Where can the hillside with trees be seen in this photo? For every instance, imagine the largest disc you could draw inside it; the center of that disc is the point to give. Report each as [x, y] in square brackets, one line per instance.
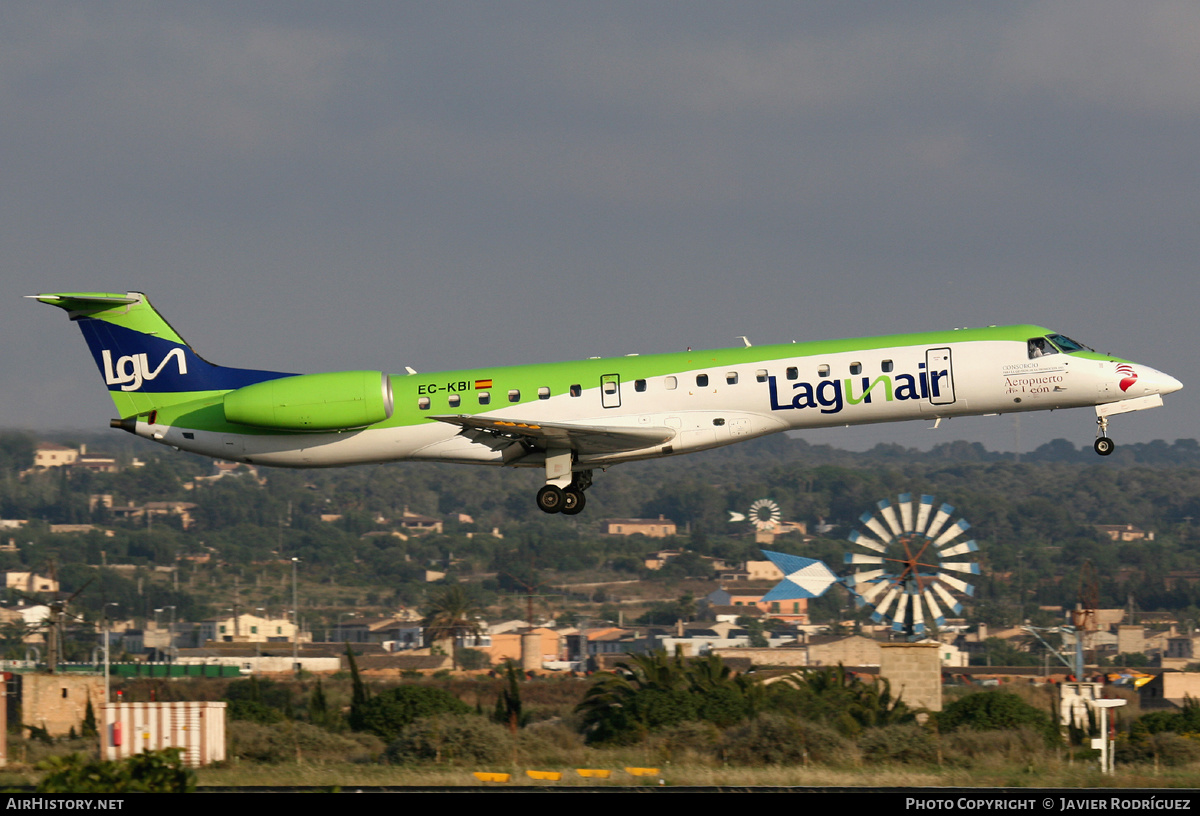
[1035, 520]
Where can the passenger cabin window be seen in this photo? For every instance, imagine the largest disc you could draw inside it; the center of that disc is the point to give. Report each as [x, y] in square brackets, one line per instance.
[761, 375]
[823, 371]
[793, 373]
[639, 385]
[543, 393]
[702, 380]
[576, 390]
[454, 400]
[886, 365]
[856, 368]
[514, 395]
[423, 403]
[485, 397]
[1040, 347]
[731, 377]
[670, 383]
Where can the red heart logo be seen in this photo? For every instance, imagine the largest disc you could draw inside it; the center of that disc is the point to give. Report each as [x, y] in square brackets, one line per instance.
[1128, 381]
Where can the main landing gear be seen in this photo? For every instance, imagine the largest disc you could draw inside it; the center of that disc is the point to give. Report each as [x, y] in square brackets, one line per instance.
[1103, 446]
[567, 500]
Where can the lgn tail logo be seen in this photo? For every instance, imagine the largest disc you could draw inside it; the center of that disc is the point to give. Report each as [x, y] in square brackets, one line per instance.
[132, 370]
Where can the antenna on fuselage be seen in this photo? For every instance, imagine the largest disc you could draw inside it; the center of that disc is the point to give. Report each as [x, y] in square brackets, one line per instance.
[744, 339]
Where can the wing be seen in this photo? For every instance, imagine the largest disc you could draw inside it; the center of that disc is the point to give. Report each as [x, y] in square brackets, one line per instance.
[579, 438]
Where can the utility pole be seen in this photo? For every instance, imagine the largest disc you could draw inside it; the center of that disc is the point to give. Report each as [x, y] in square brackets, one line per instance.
[295, 619]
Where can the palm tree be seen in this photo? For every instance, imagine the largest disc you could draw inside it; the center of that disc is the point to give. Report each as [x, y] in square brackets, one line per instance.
[654, 691]
[452, 614]
[841, 699]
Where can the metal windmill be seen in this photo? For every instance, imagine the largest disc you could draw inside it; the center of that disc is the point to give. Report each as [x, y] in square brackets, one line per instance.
[764, 515]
[907, 571]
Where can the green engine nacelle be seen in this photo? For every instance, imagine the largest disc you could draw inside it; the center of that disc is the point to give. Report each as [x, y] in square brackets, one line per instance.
[337, 401]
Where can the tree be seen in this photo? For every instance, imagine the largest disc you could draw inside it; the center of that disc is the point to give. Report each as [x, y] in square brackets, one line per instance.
[651, 692]
[147, 772]
[452, 614]
[388, 712]
[756, 630]
[841, 699]
[995, 711]
[360, 694]
[319, 711]
[508, 704]
[89, 729]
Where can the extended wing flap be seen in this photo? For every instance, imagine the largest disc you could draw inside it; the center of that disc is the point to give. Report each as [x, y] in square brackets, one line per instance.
[579, 438]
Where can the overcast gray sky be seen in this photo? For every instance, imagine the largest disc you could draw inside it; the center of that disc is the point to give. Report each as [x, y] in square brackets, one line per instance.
[315, 186]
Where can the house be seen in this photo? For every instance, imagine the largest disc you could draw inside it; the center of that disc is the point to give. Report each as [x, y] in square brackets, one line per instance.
[792, 611]
[769, 534]
[157, 508]
[249, 629]
[78, 528]
[1124, 532]
[97, 463]
[392, 633]
[254, 659]
[220, 470]
[609, 640]
[30, 582]
[416, 524]
[659, 559]
[508, 645]
[1169, 689]
[698, 639]
[651, 528]
[763, 571]
[52, 454]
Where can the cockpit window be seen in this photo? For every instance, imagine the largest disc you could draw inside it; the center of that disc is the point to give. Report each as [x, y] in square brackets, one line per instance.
[1067, 344]
[1040, 347]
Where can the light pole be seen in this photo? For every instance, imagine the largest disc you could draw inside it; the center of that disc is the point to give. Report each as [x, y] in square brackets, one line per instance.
[171, 634]
[107, 644]
[295, 619]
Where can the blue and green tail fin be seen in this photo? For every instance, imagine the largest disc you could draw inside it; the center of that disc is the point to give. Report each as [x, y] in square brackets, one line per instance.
[145, 364]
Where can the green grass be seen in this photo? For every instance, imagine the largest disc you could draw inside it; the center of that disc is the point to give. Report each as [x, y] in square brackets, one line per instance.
[1055, 769]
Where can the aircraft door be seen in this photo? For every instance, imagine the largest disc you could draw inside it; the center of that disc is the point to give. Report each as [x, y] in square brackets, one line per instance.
[940, 372]
[610, 390]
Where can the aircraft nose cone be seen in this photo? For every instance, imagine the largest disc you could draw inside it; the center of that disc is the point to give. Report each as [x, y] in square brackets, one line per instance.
[1156, 382]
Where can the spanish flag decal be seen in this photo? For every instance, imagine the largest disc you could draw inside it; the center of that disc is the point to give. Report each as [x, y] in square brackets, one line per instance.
[483, 384]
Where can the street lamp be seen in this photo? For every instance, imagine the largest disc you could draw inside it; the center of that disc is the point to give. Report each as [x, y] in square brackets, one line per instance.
[295, 619]
[171, 634]
[107, 645]
[341, 632]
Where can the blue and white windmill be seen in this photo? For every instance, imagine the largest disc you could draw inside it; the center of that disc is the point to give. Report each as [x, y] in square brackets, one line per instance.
[802, 577]
[908, 572]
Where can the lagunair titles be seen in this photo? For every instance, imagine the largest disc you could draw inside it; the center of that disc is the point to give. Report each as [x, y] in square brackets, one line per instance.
[830, 396]
[570, 418]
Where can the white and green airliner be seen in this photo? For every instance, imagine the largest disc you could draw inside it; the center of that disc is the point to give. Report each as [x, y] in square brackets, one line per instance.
[571, 418]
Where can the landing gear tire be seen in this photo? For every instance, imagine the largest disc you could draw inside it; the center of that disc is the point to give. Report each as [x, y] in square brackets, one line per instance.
[550, 499]
[1104, 446]
[573, 501]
